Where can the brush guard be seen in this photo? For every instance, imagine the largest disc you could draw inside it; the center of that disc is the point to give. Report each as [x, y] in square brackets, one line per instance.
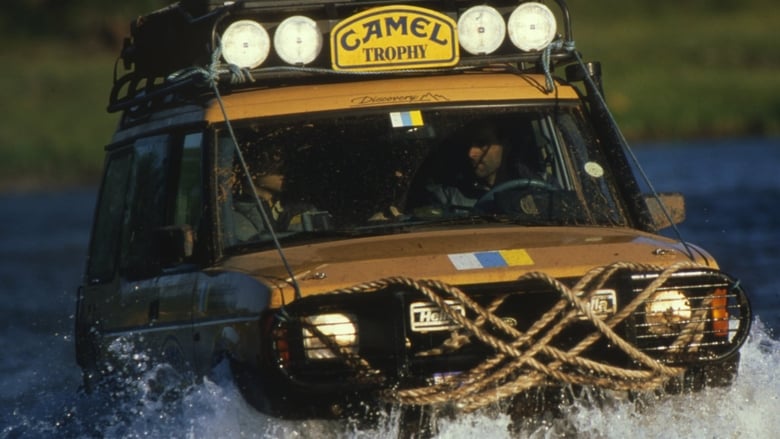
[622, 327]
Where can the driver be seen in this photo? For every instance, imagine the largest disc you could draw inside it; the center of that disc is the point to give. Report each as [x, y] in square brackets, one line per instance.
[268, 183]
[491, 159]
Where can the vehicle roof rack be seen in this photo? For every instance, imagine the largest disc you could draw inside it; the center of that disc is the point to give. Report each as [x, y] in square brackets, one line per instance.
[171, 51]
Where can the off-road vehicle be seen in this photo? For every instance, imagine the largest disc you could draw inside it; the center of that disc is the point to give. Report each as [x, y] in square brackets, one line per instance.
[304, 189]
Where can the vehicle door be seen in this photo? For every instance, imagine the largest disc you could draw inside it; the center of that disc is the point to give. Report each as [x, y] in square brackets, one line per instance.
[137, 299]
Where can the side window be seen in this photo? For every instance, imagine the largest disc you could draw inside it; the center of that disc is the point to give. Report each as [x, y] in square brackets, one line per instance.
[146, 207]
[152, 184]
[591, 170]
[109, 218]
[188, 204]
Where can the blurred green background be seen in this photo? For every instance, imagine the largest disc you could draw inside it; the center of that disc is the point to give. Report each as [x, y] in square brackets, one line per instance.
[672, 70]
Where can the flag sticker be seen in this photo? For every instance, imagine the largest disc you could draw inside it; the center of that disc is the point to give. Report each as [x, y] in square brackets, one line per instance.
[516, 257]
[465, 261]
[490, 259]
[401, 119]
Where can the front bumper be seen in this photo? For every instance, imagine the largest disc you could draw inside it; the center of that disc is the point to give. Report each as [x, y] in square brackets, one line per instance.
[623, 327]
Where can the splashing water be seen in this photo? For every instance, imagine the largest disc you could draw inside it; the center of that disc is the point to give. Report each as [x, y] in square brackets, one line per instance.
[147, 407]
[746, 409]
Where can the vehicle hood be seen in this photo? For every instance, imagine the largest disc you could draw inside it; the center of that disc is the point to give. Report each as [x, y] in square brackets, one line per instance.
[463, 256]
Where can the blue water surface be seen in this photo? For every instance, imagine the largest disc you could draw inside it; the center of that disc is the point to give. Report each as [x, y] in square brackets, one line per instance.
[732, 189]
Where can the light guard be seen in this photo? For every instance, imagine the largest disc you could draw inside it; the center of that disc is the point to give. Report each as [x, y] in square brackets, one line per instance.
[666, 310]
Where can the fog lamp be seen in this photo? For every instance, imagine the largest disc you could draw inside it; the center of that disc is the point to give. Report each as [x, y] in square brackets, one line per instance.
[666, 311]
[531, 26]
[340, 328]
[245, 43]
[481, 30]
[298, 40]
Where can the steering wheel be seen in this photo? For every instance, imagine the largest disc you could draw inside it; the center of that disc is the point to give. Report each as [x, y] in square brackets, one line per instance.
[519, 184]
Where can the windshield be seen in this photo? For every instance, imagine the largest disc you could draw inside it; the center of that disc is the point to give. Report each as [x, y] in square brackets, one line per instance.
[392, 171]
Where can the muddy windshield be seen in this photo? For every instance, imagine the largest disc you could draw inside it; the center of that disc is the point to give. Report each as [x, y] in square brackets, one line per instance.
[393, 171]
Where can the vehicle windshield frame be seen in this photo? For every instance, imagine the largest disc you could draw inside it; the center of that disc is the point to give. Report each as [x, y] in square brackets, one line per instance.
[581, 170]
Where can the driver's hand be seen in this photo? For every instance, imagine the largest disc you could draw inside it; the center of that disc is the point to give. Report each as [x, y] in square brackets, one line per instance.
[389, 214]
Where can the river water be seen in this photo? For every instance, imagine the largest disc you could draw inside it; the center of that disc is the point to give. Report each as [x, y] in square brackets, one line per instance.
[732, 192]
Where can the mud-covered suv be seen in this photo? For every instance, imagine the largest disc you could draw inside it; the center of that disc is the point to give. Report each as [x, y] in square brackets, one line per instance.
[358, 202]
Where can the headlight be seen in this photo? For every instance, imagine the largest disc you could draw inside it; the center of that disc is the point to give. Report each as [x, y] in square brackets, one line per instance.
[246, 44]
[340, 328]
[666, 311]
[481, 30]
[298, 40]
[531, 26]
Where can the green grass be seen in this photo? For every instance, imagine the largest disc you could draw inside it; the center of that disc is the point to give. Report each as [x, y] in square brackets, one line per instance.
[54, 120]
[689, 71]
[672, 70]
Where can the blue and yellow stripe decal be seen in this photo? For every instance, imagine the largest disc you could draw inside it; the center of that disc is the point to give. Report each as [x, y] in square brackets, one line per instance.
[490, 259]
[401, 119]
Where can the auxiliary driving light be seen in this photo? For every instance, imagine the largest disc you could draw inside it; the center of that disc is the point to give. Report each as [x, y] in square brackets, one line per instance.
[481, 30]
[338, 327]
[245, 43]
[298, 40]
[531, 26]
[666, 311]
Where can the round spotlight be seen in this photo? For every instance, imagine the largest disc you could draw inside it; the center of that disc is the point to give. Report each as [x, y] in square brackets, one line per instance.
[340, 328]
[481, 30]
[298, 40]
[245, 43]
[666, 311]
[531, 26]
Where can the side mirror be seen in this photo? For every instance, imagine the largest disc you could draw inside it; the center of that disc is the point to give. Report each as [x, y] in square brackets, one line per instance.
[175, 243]
[672, 211]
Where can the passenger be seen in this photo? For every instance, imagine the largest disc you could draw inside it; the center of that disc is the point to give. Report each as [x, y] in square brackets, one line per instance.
[491, 159]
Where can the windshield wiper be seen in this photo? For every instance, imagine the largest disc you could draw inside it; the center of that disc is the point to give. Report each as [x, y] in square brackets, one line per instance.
[468, 219]
[404, 225]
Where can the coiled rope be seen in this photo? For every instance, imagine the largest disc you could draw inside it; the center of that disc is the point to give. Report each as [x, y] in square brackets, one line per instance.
[526, 360]
[557, 45]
